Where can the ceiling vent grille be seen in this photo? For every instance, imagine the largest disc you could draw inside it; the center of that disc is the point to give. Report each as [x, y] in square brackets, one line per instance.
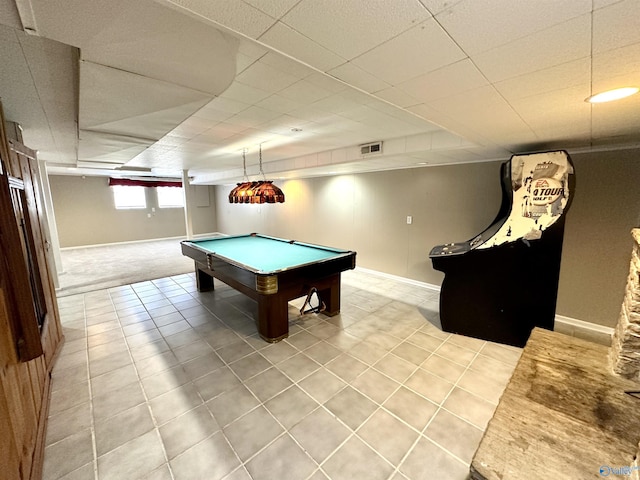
[371, 148]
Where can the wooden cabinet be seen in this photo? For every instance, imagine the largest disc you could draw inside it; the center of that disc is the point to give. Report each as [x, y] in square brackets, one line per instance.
[30, 330]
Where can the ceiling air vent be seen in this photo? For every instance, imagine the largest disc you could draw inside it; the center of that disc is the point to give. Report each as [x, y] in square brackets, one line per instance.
[371, 148]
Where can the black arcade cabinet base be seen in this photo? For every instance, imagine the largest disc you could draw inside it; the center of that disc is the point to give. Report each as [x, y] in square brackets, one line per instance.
[504, 282]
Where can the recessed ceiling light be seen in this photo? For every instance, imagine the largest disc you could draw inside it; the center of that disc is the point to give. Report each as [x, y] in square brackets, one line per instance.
[612, 95]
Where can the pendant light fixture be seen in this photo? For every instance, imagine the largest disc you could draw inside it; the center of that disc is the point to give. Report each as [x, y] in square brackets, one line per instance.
[266, 191]
[262, 191]
[238, 193]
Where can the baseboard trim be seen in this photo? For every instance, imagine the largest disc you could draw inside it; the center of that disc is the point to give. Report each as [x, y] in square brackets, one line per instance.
[581, 324]
[398, 278]
[130, 242]
[585, 330]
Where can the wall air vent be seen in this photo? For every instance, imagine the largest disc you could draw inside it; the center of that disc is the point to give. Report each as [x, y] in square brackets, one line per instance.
[371, 148]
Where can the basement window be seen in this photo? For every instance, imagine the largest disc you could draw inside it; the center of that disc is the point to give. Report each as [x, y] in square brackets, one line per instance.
[126, 197]
[170, 197]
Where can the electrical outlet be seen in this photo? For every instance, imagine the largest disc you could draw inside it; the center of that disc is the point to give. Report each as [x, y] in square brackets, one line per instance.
[409, 219]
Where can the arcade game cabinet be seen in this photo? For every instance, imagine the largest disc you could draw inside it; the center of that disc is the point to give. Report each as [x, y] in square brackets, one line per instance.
[503, 282]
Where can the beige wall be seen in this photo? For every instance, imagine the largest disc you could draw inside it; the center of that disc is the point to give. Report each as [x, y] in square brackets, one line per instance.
[85, 214]
[597, 241]
[367, 213]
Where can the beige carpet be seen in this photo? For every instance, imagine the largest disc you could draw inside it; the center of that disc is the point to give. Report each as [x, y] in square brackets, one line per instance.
[94, 268]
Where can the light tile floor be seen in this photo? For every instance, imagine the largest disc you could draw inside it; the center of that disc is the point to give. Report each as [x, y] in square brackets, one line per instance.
[158, 381]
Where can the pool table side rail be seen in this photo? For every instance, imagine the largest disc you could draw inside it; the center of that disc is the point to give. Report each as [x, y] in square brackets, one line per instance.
[304, 244]
[260, 235]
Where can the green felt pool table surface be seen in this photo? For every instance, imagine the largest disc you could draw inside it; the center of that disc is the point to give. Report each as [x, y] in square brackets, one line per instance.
[266, 254]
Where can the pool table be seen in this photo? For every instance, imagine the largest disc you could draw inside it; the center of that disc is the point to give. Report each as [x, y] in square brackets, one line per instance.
[271, 271]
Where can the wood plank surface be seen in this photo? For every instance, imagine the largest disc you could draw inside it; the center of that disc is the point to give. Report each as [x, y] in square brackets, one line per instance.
[28, 353]
[563, 415]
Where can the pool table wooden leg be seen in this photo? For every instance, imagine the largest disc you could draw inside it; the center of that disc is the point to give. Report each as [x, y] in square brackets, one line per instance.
[330, 295]
[204, 281]
[275, 308]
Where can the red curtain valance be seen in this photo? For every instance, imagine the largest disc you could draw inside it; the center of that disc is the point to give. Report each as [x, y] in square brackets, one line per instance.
[143, 183]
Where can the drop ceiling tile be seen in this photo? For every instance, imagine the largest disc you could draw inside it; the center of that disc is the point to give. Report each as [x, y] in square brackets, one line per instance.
[336, 103]
[53, 66]
[362, 113]
[15, 72]
[563, 136]
[555, 108]
[323, 158]
[397, 97]
[444, 82]
[445, 140]
[339, 156]
[273, 8]
[481, 26]
[278, 103]
[192, 127]
[328, 82]
[152, 156]
[99, 165]
[171, 140]
[416, 143]
[621, 66]
[143, 37]
[98, 146]
[8, 34]
[445, 121]
[212, 114]
[437, 6]
[223, 130]
[50, 127]
[123, 103]
[484, 111]
[610, 30]
[558, 77]
[355, 76]
[34, 134]
[253, 116]
[252, 49]
[419, 50]
[9, 14]
[284, 39]
[238, 16]
[556, 45]
[606, 121]
[216, 135]
[245, 93]
[308, 113]
[243, 62]
[227, 105]
[304, 92]
[285, 64]
[265, 77]
[352, 28]
[283, 125]
[394, 146]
